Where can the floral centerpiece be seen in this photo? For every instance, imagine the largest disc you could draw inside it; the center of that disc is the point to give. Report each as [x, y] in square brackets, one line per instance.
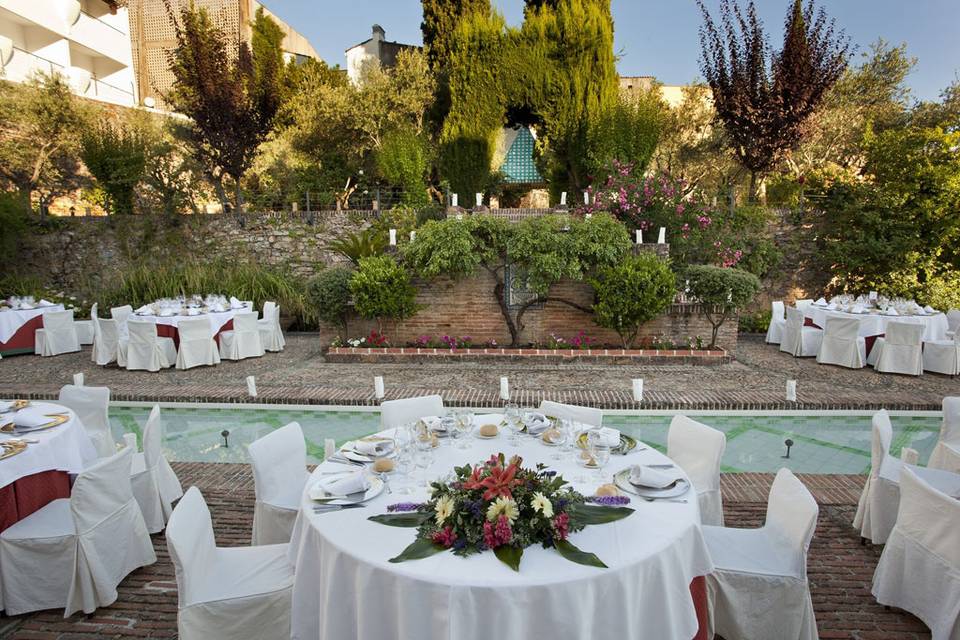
[500, 506]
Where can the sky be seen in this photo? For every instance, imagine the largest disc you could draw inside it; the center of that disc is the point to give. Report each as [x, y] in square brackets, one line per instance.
[659, 37]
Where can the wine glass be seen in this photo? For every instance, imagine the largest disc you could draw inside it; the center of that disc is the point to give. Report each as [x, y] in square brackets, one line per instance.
[514, 422]
[449, 424]
[464, 426]
[561, 437]
[423, 458]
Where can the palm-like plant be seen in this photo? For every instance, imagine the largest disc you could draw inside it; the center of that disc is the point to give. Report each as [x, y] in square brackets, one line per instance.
[360, 244]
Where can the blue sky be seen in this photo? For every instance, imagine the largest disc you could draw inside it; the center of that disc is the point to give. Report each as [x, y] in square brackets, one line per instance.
[659, 37]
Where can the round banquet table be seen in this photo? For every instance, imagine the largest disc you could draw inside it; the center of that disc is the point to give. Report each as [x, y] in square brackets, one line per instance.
[345, 588]
[872, 325]
[40, 474]
[19, 326]
[167, 325]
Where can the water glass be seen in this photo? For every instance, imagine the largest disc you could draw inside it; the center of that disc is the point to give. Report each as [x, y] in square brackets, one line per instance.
[464, 426]
[514, 423]
[423, 458]
[449, 424]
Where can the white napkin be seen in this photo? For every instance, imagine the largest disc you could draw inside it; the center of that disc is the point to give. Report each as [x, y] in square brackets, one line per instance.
[44, 303]
[832, 305]
[26, 305]
[536, 422]
[371, 447]
[858, 308]
[892, 312]
[167, 313]
[929, 309]
[433, 423]
[822, 302]
[193, 311]
[235, 304]
[144, 309]
[653, 478]
[30, 418]
[340, 485]
[609, 437]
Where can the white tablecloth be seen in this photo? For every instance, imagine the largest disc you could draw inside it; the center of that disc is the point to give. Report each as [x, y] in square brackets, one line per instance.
[217, 318]
[346, 589]
[11, 320]
[874, 324]
[63, 448]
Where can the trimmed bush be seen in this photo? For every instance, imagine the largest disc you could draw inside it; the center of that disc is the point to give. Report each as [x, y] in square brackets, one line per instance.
[721, 291]
[631, 293]
[382, 290]
[329, 294]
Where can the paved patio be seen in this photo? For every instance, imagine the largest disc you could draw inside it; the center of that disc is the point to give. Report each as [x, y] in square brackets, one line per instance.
[299, 375]
[840, 569]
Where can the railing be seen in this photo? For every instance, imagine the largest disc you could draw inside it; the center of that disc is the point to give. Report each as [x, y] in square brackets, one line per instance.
[108, 91]
[36, 63]
[92, 17]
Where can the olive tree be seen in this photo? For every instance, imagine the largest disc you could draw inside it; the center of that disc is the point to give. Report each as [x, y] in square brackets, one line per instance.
[721, 291]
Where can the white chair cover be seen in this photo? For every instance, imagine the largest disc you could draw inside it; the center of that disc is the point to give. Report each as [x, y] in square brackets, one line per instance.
[946, 453]
[91, 404]
[73, 553]
[85, 330]
[155, 485]
[697, 449]
[759, 588]
[96, 331]
[877, 509]
[59, 335]
[145, 350]
[942, 356]
[394, 413]
[953, 321]
[583, 415]
[841, 344]
[900, 350]
[106, 342]
[120, 315]
[798, 340]
[244, 341]
[232, 593]
[279, 474]
[270, 332]
[197, 346]
[803, 303]
[777, 322]
[919, 570]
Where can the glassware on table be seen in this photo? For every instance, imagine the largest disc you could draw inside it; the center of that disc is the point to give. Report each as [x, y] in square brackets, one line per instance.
[599, 452]
[526, 415]
[511, 415]
[464, 426]
[449, 424]
[423, 457]
[561, 438]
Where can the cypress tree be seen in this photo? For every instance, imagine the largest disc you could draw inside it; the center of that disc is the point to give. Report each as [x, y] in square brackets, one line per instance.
[440, 20]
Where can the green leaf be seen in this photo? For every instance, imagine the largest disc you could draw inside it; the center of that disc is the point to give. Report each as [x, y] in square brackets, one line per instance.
[573, 554]
[587, 514]
[412, 520]
[421, 548]
[509, 555]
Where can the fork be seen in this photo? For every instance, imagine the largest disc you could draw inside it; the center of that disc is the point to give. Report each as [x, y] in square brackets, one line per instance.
[680, 500]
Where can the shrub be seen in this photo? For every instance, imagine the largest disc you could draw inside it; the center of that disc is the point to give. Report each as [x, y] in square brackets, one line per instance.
[13, 224]
[403, 160]
[360, 244]
[632, 293]
[381, 290]
[329, 294]
[722, 291]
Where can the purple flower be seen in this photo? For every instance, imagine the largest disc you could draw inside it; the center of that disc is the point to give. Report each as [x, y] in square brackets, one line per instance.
[403, 506]
[609, 501]
[549, 473]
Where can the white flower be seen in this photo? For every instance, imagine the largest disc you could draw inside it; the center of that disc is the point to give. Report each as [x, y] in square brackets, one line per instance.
[503, 506]
[542, 504]
[443, 509]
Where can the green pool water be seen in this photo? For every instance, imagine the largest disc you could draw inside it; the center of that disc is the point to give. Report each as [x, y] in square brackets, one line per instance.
[822, 443]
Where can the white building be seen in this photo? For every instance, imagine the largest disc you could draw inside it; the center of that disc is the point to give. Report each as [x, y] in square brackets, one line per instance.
[88, 41]
[376, 48]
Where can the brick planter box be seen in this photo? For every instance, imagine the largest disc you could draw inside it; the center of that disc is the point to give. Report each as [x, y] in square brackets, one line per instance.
[417, 355]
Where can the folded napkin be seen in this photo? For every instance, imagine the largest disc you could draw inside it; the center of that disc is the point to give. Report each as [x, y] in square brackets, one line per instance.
[609, 437]
[235, 304]
[193, 311]
[536, 422]
[822, 302]
[371, 447]
[832, 305]
[433, 423]
[44, 303]
[166, 313]
[891, 312]
[144, 309]
[340, 485]
[30, 418]
[26, 305]
[929, 309]
[858, 308]
[653, 478]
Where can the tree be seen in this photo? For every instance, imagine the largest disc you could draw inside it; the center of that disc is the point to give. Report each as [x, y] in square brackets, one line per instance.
[173, 179]
[631, 293]
[439, 26]
[115, 153]
[765, 100]
[382, 290]
[721, 291]
[627, 132]
[40, 122]
[231, 97]
[403, 160]
[329, 294]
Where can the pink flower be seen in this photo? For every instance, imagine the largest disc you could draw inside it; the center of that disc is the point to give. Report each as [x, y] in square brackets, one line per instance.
[497, 534]
[445, 537]
[561, 524]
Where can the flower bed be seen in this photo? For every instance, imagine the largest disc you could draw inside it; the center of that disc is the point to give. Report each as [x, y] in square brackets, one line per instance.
[417, 355]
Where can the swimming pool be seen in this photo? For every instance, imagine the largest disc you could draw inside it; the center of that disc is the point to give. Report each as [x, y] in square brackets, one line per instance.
[828, 442]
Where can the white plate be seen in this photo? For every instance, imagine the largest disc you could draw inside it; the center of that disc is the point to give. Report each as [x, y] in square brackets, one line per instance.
[376, 488]
[482, 437]
[622, 480]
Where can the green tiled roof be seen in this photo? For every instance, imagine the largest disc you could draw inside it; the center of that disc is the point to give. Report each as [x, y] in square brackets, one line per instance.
[518, 166]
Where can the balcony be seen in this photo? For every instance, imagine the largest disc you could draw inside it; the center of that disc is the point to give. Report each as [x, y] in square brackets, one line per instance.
[23, 65]
[103, 38]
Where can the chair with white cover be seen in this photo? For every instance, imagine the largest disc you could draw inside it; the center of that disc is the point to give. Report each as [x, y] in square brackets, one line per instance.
[946, 453]
[759, 588]
[880, 499]
[899, 350]
[919, 570]
[803, 303]
[197, 346]
[698, 449]
[799, 340]
[842, 345]
[583, 415]
[106, 342]
[144, 350]
[279, 474]
[395, 413]
[59, 335]
[91, 404]
[226, 593]
[269, 325]
[942, 356]
[244, 341]
[120, 315]
[85, 328]
[74, 552]
[953, 322]
[777, 321]
[155, 484]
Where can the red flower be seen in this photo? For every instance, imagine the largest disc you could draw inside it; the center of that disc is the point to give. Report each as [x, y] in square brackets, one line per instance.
[497, 483]
[445, 537]
[497, 534]
[561, 525]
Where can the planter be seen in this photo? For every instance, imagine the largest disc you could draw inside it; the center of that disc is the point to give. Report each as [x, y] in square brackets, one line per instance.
[418, 355]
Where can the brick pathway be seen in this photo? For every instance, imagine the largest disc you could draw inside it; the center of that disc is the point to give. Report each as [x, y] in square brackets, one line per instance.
[840, 569]
[300, 375]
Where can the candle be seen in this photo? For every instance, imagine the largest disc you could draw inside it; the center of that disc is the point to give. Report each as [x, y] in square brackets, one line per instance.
[662, 239]
[873, 296]
[78, 379]
[639, 235]
[638, 389]
[378, 387]
[453, 200]
[791, 390]
[329, 448]
[504, 388]
[563, 199]
[252, 386]
[586, 197]
[413, 236]
[479, 197]
[393, 237]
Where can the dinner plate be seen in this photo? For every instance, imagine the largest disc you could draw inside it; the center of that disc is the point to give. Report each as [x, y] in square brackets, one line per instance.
[10, 448]
[678, 488]
[376, 488]
[627, 443]
[58, 419]
[483, 437]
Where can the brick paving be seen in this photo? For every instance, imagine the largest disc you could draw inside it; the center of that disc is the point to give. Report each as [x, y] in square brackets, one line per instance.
[840, 569]
[300, 375]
